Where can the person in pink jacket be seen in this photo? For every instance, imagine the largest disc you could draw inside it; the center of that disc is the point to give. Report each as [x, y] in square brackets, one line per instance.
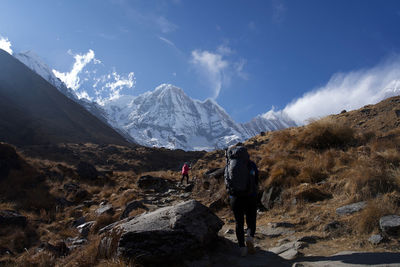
[185, 173]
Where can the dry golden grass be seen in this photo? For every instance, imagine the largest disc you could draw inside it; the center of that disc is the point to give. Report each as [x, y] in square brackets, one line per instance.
[102, 221]
[324, 134]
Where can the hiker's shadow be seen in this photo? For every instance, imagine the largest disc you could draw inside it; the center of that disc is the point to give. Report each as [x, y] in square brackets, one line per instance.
[226, 253]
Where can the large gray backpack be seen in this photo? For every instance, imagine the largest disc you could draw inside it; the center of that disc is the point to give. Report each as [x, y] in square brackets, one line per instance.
[237, 174]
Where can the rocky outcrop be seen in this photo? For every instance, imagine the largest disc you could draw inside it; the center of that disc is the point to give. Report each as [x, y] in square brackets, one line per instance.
[165, 236]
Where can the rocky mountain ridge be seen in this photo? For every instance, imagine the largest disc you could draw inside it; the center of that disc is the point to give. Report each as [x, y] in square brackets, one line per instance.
[167, 117]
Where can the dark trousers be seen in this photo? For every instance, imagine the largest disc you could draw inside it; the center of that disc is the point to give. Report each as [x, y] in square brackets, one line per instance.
[242, 206]
[187, 178]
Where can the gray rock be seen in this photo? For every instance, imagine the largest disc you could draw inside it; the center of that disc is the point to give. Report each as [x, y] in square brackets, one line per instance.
[12, 218]
[79, 242]
[375, 239]
[84, 229]
[282, 248]
[270, 196]
[133, 205]
[165, 236]
[107, 208]
[290, 254]
[275, 232]
[390, 224]
[352, 208]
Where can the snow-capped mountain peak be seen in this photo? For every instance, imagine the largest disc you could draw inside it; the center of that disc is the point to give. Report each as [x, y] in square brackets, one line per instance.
[166, 116]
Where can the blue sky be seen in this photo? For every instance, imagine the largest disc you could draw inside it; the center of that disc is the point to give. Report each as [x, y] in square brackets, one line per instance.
[313, 56]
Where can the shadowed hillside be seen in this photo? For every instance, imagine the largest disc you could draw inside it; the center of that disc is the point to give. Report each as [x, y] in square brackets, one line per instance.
[34, 112]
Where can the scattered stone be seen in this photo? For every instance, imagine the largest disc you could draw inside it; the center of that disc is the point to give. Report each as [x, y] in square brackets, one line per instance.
[79, 242]
[12, 218]
[86, 170]
[107, 208]
[133, 205]
[185, 195]
[275, 232]
[289, 250]
[352, 208]
[84, 229]
[390, 224]
[375, 239]
[166, 236]
[282, 248]
[270, 197]
[290, 254]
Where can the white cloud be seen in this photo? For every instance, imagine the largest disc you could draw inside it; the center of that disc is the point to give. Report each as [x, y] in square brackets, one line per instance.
[216, 68]
[5, 44]
[212, 66]
[92, 81]
[71, 79]
[169, 42]
[348, 91]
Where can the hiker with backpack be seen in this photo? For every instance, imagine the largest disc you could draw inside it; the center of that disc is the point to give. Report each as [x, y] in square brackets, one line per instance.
[241, 180]
[185, 173]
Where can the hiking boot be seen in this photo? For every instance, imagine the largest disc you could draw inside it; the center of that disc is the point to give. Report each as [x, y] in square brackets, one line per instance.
[250, 245]
[243, 251]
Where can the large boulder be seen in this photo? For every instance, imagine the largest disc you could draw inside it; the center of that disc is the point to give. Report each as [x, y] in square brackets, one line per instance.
[165, 236]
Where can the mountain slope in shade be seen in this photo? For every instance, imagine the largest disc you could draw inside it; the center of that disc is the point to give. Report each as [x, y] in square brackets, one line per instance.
[35, 112]
[35, 63]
